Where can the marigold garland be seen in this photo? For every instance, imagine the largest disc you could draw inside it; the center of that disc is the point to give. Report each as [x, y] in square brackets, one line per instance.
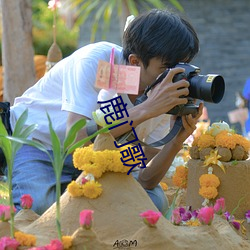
[99, 162]
[206, 141]
[226, 139]
[208, 186]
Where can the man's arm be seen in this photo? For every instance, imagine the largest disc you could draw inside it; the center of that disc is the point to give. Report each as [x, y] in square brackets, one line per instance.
[156, 169]
[163, 97]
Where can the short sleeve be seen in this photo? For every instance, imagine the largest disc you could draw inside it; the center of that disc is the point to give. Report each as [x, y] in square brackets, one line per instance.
[78, 93]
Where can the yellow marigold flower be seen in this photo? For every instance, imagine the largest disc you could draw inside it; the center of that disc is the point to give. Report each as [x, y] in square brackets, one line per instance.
[67, 242]
[193, 223]
[180, 177]
[92, 189]
[28, 240]
[114, 162]
[100, 159]
[225, 139]
[82, 156]
[208, 192]
[206, 141]
[209, 180]
[93, 169]
[164, 186]
[75, 189]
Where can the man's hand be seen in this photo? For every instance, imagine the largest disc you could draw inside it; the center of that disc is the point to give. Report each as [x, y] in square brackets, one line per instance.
[188, 125]
[167, 94]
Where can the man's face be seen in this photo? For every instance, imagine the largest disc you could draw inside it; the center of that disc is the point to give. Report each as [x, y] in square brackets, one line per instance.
[149, 75]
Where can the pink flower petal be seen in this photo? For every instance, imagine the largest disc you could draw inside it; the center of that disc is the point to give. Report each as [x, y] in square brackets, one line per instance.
[86, 218]
[150, 217]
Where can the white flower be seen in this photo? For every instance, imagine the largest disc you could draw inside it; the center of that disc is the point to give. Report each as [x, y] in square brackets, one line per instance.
[217, 127]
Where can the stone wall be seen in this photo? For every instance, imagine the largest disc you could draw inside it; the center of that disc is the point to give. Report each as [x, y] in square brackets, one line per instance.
[223, 27]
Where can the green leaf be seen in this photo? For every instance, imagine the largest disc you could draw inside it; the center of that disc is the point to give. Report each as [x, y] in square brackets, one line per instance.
[5, 144]
[56, 147]
[71, 136]
[85, 140]
[172, 207]
[32, 143]
[20, 123]
[23, 134]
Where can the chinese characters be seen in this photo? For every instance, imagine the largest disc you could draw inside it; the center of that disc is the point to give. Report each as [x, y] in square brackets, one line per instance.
[115, 109]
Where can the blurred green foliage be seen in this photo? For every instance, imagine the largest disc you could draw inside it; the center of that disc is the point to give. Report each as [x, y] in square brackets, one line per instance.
[42, 19]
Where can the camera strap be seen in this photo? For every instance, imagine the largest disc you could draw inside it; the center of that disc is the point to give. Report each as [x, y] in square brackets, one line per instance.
[173, 132]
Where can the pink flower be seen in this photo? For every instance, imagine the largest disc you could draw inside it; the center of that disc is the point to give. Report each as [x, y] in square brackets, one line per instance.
[54, 4]
[176, 217]
[5, 212]
[39, 248]
[55, 245]
[26, 201]
[84, 180]
[150, 217]
[206, 215]
[8, 243]
[219, 206]
[86, 218]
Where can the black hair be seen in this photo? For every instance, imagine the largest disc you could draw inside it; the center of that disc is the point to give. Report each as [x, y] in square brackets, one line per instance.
[161, 34]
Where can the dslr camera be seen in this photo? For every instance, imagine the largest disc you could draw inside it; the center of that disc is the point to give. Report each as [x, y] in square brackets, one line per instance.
[209, 88]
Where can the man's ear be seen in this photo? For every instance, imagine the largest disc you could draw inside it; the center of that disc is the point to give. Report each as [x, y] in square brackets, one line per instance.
[134, 60]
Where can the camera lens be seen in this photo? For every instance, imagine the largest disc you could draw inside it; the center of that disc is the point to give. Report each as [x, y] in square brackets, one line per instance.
[209, 88]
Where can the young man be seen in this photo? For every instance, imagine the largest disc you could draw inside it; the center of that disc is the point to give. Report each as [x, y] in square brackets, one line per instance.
[154, 41]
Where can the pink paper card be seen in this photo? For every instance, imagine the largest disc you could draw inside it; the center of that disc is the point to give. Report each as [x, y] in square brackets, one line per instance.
[122, 78]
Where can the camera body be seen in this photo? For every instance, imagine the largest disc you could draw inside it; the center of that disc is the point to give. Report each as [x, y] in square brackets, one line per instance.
[209, 88]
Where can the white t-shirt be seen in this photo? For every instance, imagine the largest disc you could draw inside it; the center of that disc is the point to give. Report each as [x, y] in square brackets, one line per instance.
[69, 86]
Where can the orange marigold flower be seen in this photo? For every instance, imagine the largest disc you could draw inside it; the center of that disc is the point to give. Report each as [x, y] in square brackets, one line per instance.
[225, 139]
[209, 180]
[180, 177]
[242, 141]
[67, 242]
[206, 141]
[208, 192]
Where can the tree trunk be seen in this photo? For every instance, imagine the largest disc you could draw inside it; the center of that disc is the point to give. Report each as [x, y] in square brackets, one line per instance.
[17, 48]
